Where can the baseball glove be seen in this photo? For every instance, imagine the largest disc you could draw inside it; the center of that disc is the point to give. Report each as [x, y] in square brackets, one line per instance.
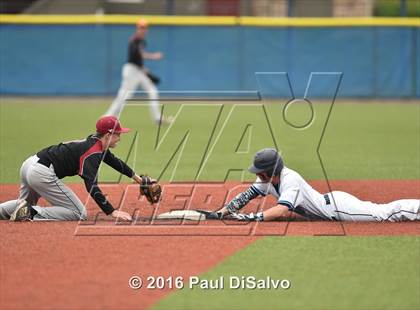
[150, 188]
[154, 78]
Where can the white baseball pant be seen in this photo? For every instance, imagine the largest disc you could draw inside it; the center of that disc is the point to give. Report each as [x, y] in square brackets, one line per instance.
[132, 78]
[346, 207]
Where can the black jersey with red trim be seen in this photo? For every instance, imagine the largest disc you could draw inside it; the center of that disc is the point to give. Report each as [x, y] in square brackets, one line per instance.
[83, 158]
[135, 47]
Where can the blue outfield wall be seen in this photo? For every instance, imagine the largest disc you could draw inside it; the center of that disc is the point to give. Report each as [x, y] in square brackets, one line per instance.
[87, 59]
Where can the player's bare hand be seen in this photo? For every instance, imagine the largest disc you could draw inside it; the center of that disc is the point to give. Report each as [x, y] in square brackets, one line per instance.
[121, 215]
[157, 56]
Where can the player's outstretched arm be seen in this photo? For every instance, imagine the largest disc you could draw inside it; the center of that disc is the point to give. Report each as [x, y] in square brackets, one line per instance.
[240, 201]
[277, 212]
[152, 56]
[121, 215]
[96, 193]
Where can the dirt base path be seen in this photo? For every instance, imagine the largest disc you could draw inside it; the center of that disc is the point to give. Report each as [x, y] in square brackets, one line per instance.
[56, 265]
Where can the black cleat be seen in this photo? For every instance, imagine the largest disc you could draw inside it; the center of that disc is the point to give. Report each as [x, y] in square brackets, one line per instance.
[165, 121]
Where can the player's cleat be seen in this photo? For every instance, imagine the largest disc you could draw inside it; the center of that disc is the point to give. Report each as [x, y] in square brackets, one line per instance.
[165, 120]
[22, 212]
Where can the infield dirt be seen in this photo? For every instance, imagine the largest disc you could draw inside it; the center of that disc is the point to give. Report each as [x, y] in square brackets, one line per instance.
[51, 264]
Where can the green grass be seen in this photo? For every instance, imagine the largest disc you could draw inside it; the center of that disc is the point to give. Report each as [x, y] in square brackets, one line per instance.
[216, 141]
[213, 141]
[325, 272]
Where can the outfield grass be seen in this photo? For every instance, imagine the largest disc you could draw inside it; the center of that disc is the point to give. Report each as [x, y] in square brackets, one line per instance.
[325, 272]
[362, 140]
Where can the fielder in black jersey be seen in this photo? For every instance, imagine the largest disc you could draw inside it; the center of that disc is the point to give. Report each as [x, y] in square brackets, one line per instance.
[135, 75]
[41, 176]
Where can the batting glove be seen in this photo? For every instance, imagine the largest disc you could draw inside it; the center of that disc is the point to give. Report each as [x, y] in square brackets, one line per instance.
[210, 215]
[257, 217]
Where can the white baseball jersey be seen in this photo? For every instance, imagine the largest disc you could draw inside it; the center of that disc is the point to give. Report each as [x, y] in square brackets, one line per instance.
[295, 193]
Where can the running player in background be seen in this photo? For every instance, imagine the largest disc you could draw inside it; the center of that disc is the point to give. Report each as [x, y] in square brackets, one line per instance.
[136, 75]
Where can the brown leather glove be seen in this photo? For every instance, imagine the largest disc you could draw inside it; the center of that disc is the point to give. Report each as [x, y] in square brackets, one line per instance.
[150, 188]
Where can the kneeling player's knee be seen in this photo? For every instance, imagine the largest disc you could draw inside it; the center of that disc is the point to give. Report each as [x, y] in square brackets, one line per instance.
[83, 214]
[80, 212]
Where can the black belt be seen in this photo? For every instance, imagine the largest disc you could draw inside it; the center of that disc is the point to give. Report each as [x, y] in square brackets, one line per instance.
[327, 199]
[45, 162]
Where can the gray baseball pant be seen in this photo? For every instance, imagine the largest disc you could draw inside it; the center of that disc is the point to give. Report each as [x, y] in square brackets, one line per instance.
[38, 181]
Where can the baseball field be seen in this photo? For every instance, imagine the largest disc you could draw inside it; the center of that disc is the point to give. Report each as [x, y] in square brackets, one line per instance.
[370, 149]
